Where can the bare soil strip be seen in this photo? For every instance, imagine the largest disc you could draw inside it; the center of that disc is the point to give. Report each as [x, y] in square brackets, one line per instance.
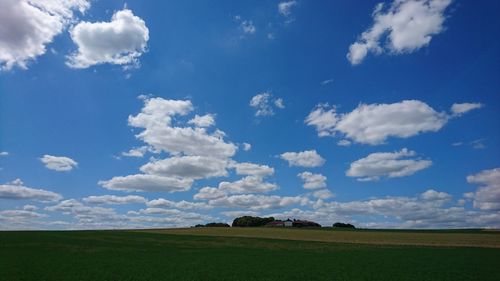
[434, 239]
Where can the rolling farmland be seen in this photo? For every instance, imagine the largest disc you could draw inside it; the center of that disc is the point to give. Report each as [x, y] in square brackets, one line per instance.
[161, 255]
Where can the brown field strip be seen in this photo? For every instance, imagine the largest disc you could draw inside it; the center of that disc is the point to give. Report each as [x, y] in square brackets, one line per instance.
[435, 239]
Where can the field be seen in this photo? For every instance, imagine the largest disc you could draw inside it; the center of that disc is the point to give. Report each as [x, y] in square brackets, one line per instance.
[212, 254]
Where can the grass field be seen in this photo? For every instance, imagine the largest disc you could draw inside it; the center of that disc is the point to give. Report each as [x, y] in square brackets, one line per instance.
[133, 255]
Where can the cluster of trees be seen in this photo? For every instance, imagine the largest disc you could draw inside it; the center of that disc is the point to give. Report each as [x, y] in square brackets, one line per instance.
[213, 224]
[251, 221]
[343, 225]
[299, 223]
[247, 221]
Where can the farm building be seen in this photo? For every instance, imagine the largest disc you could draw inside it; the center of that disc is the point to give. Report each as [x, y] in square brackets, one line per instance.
[280, 223]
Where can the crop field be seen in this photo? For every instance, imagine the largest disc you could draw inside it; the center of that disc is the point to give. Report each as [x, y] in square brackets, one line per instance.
[212, 254]
[447, 238]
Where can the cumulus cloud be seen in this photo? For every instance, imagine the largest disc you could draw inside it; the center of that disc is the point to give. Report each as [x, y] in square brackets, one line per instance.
[460, 108]
[206, 120]
[20, 219]
[308, 158]
[374, 123]
[279, 103]
[30, 208]
[206, 193]
[147, 183]
[4, 153]
[17, 190]
[156, 120]
[114, 200]
[324, 119]
[247, 146]
[406, 26]
[255, 202]
[28, 26]
[248, 184]
[312, 181]
[387, 164]
[253, 182]
[196, 153]
[136, 152]
[487, 196]
[192, 167]
[265, 104]
[121, 41]
[184, 205]
[429, 209]
[58, 163]
[323, 194]
[84, 213]
[285, 8]
[251, 169]
[433, 195]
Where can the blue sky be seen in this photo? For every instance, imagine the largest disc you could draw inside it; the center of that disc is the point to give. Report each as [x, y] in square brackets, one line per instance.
[381, 114]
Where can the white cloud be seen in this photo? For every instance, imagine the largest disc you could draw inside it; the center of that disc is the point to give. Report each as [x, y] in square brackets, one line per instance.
[234, 214]
[308, 158]
[252, 169]
[433, 195]
[257, 202]
[121, 41]
[279, 103]
[478, 144]
[407, 25]
[247, 146]
[185, 205]
[58, 163]
[265, 104]
[192, 167]
[323, 119]
[388, 164]
[156, 120]
[248, 184]
[114, 200]
[30, 208]
[312, 181]
[206, 193]
[343, 143]
[17, 190]
[206, 120]
[285, 8]
[85, 214]
[28, 26]
[19, 219]
[136, 152]
[196, 153]
[327, 81]
[147, 183]
[323, 194]
[374, 123]
[487, 196]
[248, 27]
[252, 183]
[461, 108]
[4, 153]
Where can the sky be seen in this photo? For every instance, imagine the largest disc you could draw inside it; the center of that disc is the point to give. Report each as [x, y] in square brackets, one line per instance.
[138, 114]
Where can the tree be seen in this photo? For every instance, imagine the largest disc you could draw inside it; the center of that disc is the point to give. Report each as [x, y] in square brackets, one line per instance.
[246, 221]
[213, 224]
[343, 225]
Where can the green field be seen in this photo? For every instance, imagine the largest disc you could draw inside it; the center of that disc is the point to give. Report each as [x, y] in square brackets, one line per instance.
[135, 255]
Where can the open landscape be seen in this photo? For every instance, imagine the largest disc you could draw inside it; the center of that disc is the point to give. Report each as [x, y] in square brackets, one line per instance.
[276, 140]
[249, 254]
